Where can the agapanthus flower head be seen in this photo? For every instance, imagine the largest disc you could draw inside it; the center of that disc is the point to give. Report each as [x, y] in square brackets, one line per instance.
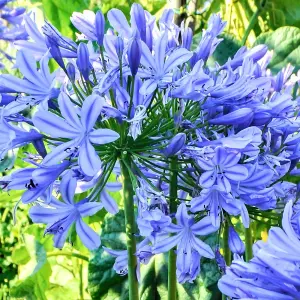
[133, 108]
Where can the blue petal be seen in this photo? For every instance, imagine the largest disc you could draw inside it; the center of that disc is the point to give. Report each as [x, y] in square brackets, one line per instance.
[54, 125]
[89, 161]
[103, 136]
[118, 21]
[177, 57]
[88, 236]
[90, 111]
[202, 248]
[68, 110]
[166, 244]
[109, 203]
[67, 188]
[88, 208]
[204, 227]
[39, 214]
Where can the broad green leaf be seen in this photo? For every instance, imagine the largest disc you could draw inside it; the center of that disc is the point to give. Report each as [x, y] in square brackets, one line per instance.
[285, 42]
[282, 13]
[227, 48]
[35, 285]
[155, 278]
[104, 283]
[58, 292]
[59, 13]
[20, 255]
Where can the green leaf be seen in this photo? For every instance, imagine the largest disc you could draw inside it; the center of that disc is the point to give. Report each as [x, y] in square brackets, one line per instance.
[227, 48]
[155, 278]
[285, 42]
[103, 280]
[58, 292]
[20, 255]
[59, 13]
[35, 285]
[282, 13]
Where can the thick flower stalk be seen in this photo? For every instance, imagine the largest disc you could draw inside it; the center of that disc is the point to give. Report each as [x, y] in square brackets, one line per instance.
[192, 146]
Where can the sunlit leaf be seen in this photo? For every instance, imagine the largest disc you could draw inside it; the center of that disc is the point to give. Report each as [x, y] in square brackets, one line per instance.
[285, 42]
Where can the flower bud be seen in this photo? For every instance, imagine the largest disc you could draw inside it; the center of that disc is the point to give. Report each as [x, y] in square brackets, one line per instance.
[55, 52]
[134, 52]
[187, 38]
[119, 44]
[83, 61]
[99, 27]
[71, 71]
[235, 243]
[175, 145]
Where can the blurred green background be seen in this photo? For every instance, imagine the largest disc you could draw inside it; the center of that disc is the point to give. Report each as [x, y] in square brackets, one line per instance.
[30, 268]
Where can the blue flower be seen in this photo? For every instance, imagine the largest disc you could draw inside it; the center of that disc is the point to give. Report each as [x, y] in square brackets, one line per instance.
[12, 137]
[222, 169]
[38, 181]
[273, 272]
[235, 243]
[38, 47]
[39, 84]
[143, 255]
[214, 200]
[80, 132]
[186, 240]
[61, 215]
[156, 70]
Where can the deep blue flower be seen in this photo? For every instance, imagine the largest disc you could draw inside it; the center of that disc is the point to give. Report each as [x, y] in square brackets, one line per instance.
[61, 215]
[274, 270]
[38, 182]
[80, 132]
[39, 84]
[222, 169]
[186, 240]
[157, 70]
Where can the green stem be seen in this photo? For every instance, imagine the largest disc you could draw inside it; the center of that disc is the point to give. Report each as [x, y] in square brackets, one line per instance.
[172, 291]
[227, 252]
[130, 229]
[253, 21]
[65, 253]
[103, 59]
[248, 244]
[81, 281]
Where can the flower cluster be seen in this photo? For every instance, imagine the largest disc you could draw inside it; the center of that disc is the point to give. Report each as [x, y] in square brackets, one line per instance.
[193, 143]
[274, 270]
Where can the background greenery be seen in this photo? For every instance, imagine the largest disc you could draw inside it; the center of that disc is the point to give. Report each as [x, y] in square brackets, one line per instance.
[30, 268]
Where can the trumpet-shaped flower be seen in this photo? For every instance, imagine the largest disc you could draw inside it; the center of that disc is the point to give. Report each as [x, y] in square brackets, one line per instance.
[274, 270]
[61, 215]
[222, 169]
[186, 240]
[80, 132]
